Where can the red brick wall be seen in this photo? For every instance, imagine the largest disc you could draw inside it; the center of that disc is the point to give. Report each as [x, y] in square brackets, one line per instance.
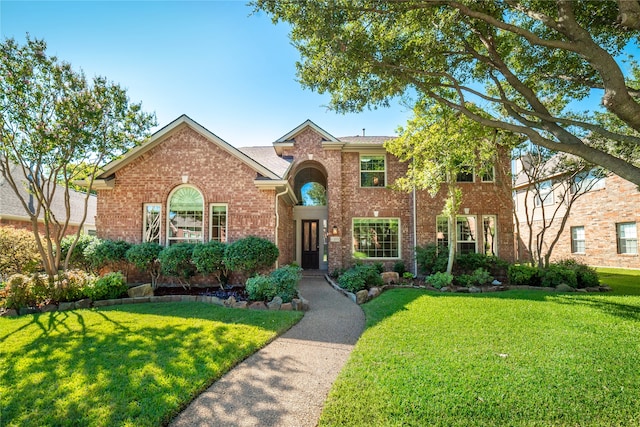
[598, 212]
[26, 225]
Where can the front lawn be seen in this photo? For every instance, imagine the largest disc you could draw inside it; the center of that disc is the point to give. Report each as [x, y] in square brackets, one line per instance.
[135, 365]
[517, 358]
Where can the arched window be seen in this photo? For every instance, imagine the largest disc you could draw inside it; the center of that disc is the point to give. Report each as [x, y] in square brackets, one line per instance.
[313, 194]
[185, 218]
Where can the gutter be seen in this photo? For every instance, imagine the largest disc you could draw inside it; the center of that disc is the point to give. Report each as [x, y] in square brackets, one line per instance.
[282, 193]
[415, 234]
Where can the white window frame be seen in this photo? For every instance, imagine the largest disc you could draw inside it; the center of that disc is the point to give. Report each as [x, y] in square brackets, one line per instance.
[627, 245]
[494, 237]
[493, 175]
[374, 219]
[225, 238]
[145, 221]
[170, 240]
[544, 195]
[444, 242]
[577, 239]
[384, 171]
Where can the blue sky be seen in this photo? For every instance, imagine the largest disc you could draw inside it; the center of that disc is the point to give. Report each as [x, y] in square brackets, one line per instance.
[228, 69]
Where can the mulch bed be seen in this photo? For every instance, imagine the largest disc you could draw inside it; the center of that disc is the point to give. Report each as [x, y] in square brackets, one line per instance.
[238, 292]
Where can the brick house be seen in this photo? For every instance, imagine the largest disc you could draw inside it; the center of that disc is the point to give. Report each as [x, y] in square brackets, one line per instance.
[13, 214]
[601, 228]
[319, 198]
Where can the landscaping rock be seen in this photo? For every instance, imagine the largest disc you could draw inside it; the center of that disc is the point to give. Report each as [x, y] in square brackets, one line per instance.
[496, 283]
[374, 292]
[141, 291]
[28, 310]
[286, 306]
[605, 288]
[304, 304]
[126, 301]
[83, 303]
[66, 306]
[474, 290]
[362, 296]
[188, 298]
[103, 303]
[217, 301]
[275, 303]
[240, 304]
[444, 289]
[230, 302]
[10, 312]
[584, 291]
[295, 303]
[139, 300]
[49, 308]
[389, 277]
[563, 287]
[592, 289]
[463, 290]
[162, 298]
[257, 305]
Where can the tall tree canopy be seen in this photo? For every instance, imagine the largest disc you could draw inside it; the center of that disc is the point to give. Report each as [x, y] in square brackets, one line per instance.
[57, 127]
[524, 62]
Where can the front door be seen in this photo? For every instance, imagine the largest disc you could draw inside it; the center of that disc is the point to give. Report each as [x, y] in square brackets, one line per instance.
[310, 244]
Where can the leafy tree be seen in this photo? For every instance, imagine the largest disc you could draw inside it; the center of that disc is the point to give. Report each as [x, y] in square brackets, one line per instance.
[58, 127]
[441, 143]
[146, 257]
[316, 194]
[524, 61]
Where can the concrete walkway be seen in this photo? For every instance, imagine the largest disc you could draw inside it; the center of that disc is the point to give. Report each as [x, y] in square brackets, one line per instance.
[287, 382]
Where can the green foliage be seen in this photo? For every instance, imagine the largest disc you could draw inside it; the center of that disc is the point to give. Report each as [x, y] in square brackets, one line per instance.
[523, 275]
[111, 285]
[18, 252]
[586, 276]
[407, 275]
[78, 260]
[18, 292]
[379, 267]
[145, 256]
[286, 280]
[176, 262]
[439, 279]
[209, 258]
[468, 263]
[108, 253]
[31, 291]
[359, 277]
[555, 275]
[71, 285]
[431, 259]
[251, 254]
[399, 268]
[479, 277]
[260, 288]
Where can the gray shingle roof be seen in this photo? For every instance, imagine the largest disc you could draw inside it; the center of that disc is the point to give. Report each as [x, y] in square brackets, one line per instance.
[365, 139]
[268, 158]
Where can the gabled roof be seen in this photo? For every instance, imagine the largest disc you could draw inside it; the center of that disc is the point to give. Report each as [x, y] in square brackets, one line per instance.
[288, 138]
[267, 157]
[184, 120]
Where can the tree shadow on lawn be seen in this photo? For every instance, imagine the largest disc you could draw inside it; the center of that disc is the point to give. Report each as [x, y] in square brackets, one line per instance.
[72, 373]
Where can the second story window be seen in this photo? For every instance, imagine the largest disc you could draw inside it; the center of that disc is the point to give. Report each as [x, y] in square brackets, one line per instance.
[372, 171]
[545, 194]
[465, 174]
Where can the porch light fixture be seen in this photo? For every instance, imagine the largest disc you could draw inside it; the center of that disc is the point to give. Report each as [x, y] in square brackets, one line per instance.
[334, 231]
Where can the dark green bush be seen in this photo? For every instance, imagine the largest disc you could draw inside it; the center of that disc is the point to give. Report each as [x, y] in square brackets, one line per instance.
[286, 280]
[108, 253]
[371, 275]
[209, 259]
[431, 259]
[439, 279]
[555, 275]
[464, 280]
[250, 255]
[261, 288]
[469, 263]
[352, 281]
[111, 285]
[379, 267]
[176, 262]
[399, 268]
[78, 259]
[523, 275]
[586, 276]
[146, 258]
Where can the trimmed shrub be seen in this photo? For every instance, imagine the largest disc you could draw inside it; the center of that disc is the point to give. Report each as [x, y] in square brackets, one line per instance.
[400, 268]
[111, 285]
[352, 281]
[146, 258]
[18, 292]
[260, 288]
[481, 277]
[251, 254]
[108, 253]
[371, 275]
[176, 262]
[77, 259]
[431, 259]
[209, 259]
[18, 252]
[71, 285]
[555, 275]
[471, 262]
[379, 267]
[586, 276]
[523, 275]
[286, 280]
[439, 279]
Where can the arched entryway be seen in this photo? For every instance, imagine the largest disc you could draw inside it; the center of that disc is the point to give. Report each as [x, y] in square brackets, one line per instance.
[310, 216]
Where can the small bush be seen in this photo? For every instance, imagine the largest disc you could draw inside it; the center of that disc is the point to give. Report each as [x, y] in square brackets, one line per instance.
[286, 281]
[399, 268]
[523, 275]
[481, 277]
[108, 253]
[555, 275]
[77, 259]
[464, 280]
[251, 254]
[379, 267]
[352, 281]
[111, 285]
[260, 288]
[439, 279]
[18, 252]
[407, 275]
[586, 276]
[18, 292]
[209, 259]
[469, 263]
[145, 256]
[431, 259]
[176, 262]
[71, 285]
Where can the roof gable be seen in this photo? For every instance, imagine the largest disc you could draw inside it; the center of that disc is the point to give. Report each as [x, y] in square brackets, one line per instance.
[307, 124]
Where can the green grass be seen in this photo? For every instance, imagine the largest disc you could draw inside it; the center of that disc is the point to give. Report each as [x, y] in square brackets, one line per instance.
[134, 365]
[622, 282]
[516, 358]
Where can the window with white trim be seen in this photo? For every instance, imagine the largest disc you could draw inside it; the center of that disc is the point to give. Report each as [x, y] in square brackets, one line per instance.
[185, 216]
[466, 233]
[376, 237]
[489, 234]
[588, 181]
[545, 194]
[627, 236]
[372, 171]
[442, 231]
[152, 216]
[218, 222]
[488, 174]
[577, 240]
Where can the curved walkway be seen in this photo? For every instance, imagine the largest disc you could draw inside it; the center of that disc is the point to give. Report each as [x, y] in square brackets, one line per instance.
[286, 382]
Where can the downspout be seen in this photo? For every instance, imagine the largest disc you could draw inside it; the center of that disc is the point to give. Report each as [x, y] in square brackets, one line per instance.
[415, 234]
[278, 218]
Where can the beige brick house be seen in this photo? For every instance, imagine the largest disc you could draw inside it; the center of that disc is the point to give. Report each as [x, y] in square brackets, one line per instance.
[319, 198]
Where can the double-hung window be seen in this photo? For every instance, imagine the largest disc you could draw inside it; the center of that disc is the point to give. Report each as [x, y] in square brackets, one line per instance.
[577, 240]
[218, 222]
[151, 222]
[466, 233]
[627, 234]
[372, 171]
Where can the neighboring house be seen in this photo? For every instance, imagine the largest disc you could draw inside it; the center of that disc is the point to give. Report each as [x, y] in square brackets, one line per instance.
[12, 212]
[602, 225]
[320, 199]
